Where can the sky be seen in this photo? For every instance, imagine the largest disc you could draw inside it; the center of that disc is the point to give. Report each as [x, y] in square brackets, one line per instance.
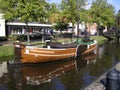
[115, 3]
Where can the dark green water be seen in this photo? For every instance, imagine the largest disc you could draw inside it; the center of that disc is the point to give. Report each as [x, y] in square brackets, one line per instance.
[62, 75]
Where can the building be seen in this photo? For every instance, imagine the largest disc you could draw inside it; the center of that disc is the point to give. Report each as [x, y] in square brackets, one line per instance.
[22, 28]
[2, 26]
[17, 28]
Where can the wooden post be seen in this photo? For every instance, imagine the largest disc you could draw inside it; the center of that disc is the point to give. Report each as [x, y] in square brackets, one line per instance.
[118, 39]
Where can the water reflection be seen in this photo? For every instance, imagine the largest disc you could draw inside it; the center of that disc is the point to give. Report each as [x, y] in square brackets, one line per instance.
[60, 75]
[36, 74]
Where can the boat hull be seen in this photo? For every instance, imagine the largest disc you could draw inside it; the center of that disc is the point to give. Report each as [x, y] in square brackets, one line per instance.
[44, 55]
[32, 54]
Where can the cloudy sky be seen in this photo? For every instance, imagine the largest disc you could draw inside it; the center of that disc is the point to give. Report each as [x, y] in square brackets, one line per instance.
[115, 3]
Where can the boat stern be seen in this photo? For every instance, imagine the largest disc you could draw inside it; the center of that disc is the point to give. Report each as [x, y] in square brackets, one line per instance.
[18, 47]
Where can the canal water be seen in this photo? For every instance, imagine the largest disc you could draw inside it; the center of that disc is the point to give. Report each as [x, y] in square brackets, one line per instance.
[73, 74]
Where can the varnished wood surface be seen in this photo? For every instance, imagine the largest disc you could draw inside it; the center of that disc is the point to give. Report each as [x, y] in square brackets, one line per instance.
[32, 54]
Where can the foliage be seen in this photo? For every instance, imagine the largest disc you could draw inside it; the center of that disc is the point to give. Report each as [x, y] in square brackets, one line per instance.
[102, 13]
[3, 38]
[84, 16]
[12, 38]
[59, 20]
[24, 37]
[117, 21]
[61, 25]
[17, 37]
[24, 10]
[53, 12]
[71, 9]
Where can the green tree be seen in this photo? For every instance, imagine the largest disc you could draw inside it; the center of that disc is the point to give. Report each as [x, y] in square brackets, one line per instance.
[57, 18]
[117, 26]
[60, 23]
[84, 16]
[53, 11]
[71, 9]
[24, 11]
[102, 13]
[117, 21]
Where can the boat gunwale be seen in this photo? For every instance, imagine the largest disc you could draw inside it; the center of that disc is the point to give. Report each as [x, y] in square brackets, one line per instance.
[50, 54]
[33, 47]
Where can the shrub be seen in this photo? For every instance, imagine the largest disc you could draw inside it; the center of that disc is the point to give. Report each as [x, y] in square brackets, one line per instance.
[24, 37]
[12, 38]
[3, 38]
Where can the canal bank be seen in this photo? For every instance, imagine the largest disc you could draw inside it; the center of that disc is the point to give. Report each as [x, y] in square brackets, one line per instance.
[6, 47]
[76, 74]
[98, 84]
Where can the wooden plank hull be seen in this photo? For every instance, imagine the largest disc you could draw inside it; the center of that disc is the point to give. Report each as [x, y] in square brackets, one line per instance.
[43, 55]
[31, 54]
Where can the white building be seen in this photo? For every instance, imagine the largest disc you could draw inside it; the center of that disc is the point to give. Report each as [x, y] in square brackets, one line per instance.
[9, 28]
[2, 26]
[20, 28]
[81, 28]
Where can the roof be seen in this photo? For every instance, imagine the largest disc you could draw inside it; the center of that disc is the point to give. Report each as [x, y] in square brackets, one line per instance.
[29, 24]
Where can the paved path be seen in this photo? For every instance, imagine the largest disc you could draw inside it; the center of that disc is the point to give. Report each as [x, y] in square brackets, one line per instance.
[6, 42]
[97, 85]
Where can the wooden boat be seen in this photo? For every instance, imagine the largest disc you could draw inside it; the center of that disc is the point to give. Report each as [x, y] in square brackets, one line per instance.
[36, 74]
[33, 54]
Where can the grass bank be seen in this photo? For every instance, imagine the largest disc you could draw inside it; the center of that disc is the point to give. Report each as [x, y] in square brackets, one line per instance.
[6, 58]
[6, 50]
[100, 39]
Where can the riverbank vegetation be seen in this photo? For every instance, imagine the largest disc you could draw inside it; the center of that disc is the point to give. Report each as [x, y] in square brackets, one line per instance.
[100, 39]
[8, 50]
[62, 14]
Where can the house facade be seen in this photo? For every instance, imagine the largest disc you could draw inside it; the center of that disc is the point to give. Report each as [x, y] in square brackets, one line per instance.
[17, 28]
[2, 26]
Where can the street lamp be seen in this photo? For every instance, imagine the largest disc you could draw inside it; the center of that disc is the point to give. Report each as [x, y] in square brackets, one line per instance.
[78, 20]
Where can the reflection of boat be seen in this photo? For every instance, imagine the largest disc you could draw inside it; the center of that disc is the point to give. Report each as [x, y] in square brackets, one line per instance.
[44, 73]
[36, 74]
[32, 54]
